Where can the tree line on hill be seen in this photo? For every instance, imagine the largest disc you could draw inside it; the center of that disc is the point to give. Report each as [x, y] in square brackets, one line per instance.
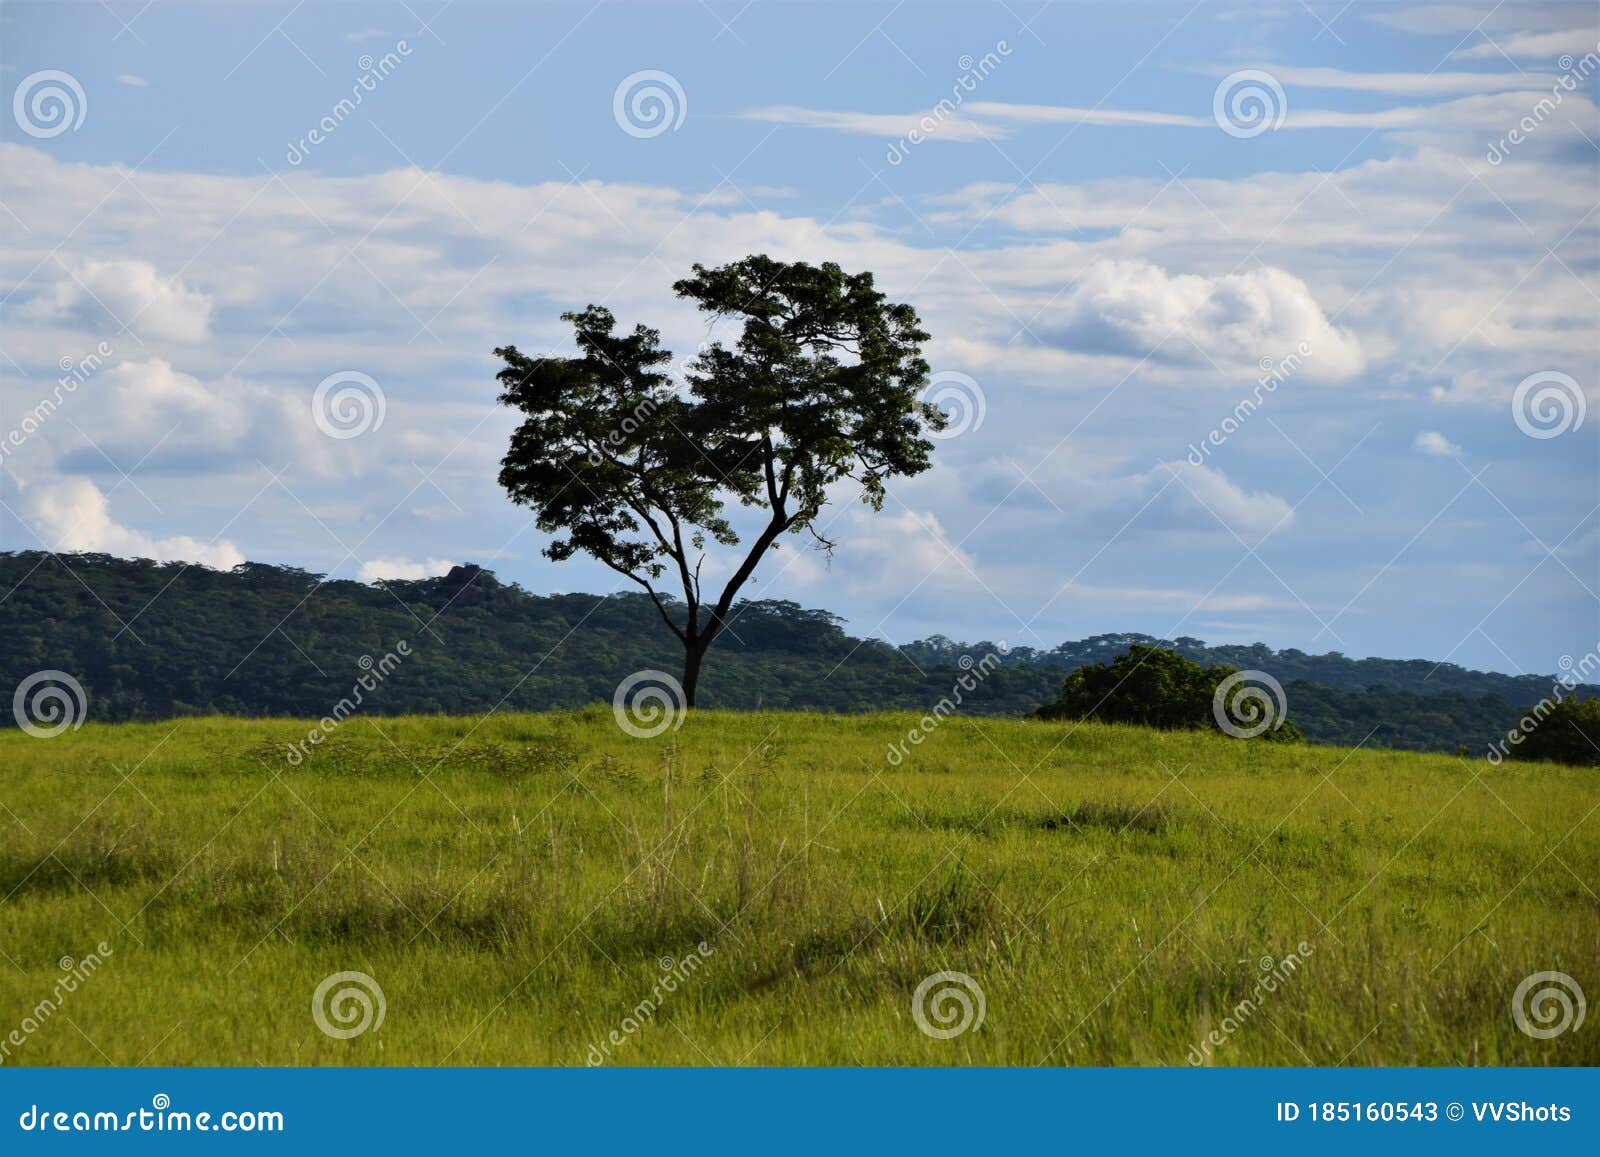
[151, 640]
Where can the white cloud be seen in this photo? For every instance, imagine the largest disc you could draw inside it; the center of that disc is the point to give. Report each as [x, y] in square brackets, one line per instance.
[1136, 309]
[1433, 443]
[1204, 490]
[983, 120]
[1167, 598]
[1090, 498]
[931, 124]
[133, 81]
[156, 419]
[1552, 45]
[1049, 114]
[1296, 117]
[72, 514]
[403, 568]
[879, 552]
[126, 293]
[1408, 82]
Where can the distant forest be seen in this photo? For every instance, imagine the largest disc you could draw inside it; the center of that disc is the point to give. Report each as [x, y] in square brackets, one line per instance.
[154, 640]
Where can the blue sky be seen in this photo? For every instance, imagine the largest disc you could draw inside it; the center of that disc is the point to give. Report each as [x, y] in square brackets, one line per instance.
[1104, 248]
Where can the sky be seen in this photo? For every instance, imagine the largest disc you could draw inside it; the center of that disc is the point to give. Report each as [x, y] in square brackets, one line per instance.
[1266, 322]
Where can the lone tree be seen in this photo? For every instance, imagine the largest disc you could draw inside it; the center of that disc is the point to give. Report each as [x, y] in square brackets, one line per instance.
[822, 384]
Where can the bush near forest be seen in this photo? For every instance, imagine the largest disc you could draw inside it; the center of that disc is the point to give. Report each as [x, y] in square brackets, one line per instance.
[1566, 732]
[1152, 687]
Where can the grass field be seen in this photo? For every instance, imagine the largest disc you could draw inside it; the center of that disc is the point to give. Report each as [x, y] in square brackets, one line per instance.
[513, 884]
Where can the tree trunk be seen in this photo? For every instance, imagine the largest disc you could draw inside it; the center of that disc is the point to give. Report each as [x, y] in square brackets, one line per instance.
[693, 652]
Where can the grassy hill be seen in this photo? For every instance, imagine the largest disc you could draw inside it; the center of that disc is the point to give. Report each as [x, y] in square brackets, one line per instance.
[162, 640]
[521, 887]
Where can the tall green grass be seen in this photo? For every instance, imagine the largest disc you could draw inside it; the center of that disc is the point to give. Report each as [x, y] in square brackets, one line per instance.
[513, 884]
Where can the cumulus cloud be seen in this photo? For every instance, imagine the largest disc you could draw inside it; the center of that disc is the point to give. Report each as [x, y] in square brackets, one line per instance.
[1095, 500]
[888, 551]
[1137, 309]
[1435, 444]
[127, 293]
[1245, 513]
[403, 568]
[72, 514]
[158, 419]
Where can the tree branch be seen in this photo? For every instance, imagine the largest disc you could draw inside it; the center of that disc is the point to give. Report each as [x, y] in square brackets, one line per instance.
[655, 598]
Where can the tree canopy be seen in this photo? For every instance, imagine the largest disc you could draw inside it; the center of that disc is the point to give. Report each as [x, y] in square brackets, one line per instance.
[820, 385]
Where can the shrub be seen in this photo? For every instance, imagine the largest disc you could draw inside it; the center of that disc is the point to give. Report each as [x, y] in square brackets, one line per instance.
[1151, 687]
[1567, 731]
